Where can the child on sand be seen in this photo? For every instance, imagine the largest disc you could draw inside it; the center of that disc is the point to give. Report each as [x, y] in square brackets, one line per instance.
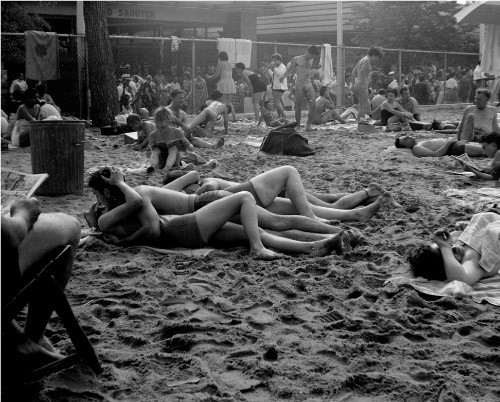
[143, 128]
[266, 114]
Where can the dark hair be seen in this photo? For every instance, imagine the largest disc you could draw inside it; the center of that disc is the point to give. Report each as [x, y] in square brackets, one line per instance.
[492, 138]
[176, 92]
[276, 56]
[313, 49]
[426, 263]
[323, 90]
[375, 51]
[162, 114]
[223, 56]
[240, 66]
[97, 183]
[215, 94]
[267, 102]
[133, 118]
[392, 90]
[484, 91]
[398, 144]
[402, 89]
[30, 93]
[382, 91]
[41, 89]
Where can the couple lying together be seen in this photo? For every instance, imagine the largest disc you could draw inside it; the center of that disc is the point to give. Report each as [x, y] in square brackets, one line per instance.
[226, 213]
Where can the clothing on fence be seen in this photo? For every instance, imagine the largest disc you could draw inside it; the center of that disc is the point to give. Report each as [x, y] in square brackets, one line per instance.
[326, 64]
[244, 51]
[42, 56]
[228, 45]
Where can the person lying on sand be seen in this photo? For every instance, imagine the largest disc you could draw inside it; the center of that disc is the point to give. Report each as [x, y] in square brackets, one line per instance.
[438, 146]
[325, 110]
[268, 186]
[479, 119]
[491, 147]
[130, 218]
[29, 239]
[468, 255]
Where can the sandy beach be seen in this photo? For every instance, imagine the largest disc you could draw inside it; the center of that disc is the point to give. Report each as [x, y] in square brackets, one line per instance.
[224, 327]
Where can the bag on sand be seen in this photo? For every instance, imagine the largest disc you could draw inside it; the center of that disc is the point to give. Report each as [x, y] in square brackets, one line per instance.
[284, 140]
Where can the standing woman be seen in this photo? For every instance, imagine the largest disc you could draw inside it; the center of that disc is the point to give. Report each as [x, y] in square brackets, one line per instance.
[226, 85]
[255, 84]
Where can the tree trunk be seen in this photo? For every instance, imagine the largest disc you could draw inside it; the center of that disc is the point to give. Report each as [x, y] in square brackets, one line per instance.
[102, 80]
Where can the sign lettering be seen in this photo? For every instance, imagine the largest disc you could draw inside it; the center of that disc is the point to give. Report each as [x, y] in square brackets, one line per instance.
[131, 13]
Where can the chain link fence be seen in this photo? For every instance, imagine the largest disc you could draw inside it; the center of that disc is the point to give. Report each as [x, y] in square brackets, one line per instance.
[186, 63]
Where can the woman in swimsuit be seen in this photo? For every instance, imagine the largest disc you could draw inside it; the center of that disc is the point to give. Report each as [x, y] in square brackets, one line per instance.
[226, 84]
[214, 110]
[255, 84]
[393, 112]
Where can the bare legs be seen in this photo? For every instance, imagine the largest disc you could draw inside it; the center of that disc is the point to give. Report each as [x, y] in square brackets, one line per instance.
[364, 108]
[467, 133]
[277, 104]
[227, 99]
[256, 99]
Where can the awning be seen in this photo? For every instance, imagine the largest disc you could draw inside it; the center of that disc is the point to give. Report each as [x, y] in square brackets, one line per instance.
[480, 12]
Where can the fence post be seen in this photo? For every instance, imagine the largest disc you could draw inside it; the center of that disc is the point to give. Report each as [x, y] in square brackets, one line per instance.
[444, 79]
[400, 68]
[275, 47]
[193, 76]
[340, 75]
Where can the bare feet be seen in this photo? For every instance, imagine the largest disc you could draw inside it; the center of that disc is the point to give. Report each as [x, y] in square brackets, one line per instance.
[308, 127]
[325, 247]
[34, 355]
[374, 190]
[265, 254]
[388, 199]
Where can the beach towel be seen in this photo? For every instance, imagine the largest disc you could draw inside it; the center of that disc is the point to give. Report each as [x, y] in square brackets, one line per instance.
[284, 140]
[487, 289]
[228, 45]
[326, 64]
[174, 45]
[479, 199]
[42, 56]
[244, 51]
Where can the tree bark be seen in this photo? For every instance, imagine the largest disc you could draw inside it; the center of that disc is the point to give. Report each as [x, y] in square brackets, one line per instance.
[102, 80]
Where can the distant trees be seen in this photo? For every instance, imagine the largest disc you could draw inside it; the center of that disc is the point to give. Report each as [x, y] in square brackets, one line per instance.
[425, 25]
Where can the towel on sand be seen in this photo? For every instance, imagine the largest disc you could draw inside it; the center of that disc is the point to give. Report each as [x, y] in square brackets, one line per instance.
[479, 199]
[487, 289]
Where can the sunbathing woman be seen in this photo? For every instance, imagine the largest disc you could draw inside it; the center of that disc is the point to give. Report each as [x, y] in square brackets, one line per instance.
[129, 218]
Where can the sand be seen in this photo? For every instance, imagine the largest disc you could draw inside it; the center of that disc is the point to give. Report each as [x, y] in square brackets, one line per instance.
[226, 327]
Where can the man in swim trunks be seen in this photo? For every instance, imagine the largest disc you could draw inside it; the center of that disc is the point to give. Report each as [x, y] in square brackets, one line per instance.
[438, 147]
[479, 119]
[360, 79]
[325, 110]
[301, 66]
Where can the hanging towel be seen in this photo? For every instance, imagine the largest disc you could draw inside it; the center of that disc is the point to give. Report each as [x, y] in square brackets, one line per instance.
[42, 56]
[490, 61]
[244, 51]
[174, 46]
[326, 64]
[228, 45]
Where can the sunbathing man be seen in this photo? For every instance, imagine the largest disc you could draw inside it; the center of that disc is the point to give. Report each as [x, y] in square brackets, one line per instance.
[325, 110]
[133, 218]
[474, 256]
[438, 147]
[180, 120]
[210, 115]
[301, 66]
[479, 119]
[491, 146]
[29, 239]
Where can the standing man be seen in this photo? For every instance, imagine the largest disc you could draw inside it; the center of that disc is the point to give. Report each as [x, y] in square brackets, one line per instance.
[277, 70]
[360, 79]
[17, 89]
[301, 66]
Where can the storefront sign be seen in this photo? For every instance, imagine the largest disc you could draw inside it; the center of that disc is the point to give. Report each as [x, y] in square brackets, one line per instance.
[136, 13]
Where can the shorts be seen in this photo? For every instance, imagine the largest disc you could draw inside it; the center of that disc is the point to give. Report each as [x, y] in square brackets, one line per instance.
[246, 186]
[457, 148]
[257, 84]
[209, 197]
[182, 231]
[164, 150]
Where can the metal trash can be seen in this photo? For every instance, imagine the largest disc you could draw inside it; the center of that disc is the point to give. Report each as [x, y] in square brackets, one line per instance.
[57, 148]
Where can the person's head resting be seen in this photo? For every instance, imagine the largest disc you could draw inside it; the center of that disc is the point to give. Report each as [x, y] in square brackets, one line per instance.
[404, 92]
[134, 121]
[323, 90]
[491, 144]
[239, 67]
[482, 98]
[162, 118]
[405, 141]
[215, 94]
[426, 261]
[392, 94]
[382, 91]
[276, 57]
[312, 51]
[375, 53]
[268, 104]
[177, 97]
[107, 194]
[31, 97]
[222, 56]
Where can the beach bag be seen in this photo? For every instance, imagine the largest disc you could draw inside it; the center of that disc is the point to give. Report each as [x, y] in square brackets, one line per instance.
[284, 140]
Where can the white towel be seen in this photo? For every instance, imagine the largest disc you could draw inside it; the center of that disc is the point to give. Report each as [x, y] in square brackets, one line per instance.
[228, 45]
[174, 46]
[490, 61]
[326, 64]
[244, 51]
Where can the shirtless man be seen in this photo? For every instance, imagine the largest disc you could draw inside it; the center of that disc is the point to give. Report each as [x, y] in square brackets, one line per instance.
[360, 79]
[177, 96]
[479, 119]
[438, 147]
[301, 66]
[324, 109]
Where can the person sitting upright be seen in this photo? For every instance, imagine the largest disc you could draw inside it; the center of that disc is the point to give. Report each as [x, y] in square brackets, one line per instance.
[143, 128]
[325, 110]
[479, 119]
[377, 100]
[392, 112]
[409, 103]
[266, 114]
[438, 146]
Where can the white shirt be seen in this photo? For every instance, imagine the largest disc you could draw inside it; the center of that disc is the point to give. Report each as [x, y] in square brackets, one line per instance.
[478, 74]
[277, 74]
[48, 110]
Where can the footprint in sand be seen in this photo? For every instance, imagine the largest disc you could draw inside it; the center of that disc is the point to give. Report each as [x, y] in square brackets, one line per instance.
[258, 314]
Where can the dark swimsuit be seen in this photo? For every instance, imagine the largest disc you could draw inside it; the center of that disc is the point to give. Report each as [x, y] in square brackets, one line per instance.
[257, 84]
[384, 116]
[457, 148]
